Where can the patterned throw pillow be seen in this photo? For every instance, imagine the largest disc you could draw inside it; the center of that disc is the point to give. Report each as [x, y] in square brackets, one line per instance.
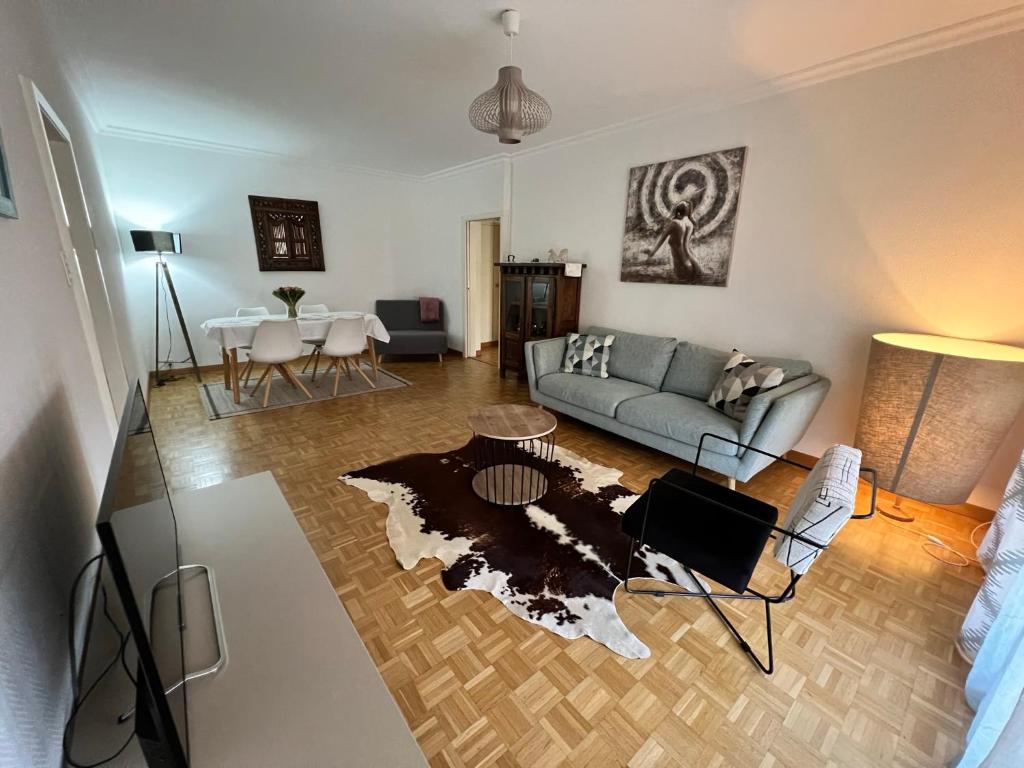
[587, 355]
[742, 379]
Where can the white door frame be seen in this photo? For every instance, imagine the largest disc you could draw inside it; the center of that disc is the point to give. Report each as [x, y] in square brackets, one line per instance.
[465, 270]
[37, 107]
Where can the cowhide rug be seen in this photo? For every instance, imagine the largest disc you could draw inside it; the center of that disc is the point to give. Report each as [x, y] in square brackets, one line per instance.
[556, 562]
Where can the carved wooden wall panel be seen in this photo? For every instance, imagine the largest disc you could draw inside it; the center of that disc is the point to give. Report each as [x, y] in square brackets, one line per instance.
[287, 234]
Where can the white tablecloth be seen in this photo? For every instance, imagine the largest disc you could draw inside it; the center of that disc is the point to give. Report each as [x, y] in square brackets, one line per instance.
[239, 331]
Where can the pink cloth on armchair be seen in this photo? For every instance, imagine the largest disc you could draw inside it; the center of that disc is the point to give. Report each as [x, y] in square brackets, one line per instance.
[430, 309]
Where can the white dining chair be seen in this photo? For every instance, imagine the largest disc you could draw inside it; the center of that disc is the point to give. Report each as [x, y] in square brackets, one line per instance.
[345, 342]
[249, 312]
[317, 344]
[277, 343]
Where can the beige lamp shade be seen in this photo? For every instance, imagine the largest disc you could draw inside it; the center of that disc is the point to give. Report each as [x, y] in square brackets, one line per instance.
[934, 410]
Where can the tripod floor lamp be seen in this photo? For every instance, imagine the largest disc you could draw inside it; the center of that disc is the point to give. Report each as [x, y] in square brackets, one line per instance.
[150, 241]
[934, 411]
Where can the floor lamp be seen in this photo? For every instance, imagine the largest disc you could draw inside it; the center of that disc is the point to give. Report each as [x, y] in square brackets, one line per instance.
[151, 241]
[934, 411]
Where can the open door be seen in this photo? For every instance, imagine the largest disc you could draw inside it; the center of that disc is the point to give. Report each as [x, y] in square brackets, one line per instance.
[483, 249]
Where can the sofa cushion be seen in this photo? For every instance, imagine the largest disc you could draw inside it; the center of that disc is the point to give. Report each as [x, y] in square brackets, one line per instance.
[639, 358]
[414, 343]
[587, 355]
[404, 315]
[598, 395]
[680, 418]
[695, 369]
[792, 368]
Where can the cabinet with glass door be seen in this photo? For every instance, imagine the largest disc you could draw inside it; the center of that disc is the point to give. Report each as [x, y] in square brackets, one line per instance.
[538, 301]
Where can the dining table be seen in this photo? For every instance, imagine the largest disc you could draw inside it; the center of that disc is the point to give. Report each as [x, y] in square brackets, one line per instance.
[234, 333]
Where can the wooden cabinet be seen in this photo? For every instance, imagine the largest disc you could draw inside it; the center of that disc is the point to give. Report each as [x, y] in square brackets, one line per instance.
[537, 301]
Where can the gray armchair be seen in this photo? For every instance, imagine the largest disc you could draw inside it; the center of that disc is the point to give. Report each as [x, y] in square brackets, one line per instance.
[409, 334]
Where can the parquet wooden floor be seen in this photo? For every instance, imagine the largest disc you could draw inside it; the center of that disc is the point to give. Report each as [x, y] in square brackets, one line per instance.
[866, 670]
[488, 355]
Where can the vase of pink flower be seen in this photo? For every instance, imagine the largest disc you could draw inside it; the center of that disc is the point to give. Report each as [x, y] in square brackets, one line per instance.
[290, 295]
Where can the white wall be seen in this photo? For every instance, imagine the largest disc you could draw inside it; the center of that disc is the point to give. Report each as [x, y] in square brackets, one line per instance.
[384, 236]
[889, 200]
[431, 255]
[204, 196]
[55, 444]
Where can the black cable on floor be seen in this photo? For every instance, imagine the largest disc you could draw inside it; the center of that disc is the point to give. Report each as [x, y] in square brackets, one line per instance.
[119, 656]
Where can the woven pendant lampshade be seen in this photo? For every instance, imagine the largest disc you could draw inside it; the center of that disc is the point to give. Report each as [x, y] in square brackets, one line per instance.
[510, 109]
[934, 411]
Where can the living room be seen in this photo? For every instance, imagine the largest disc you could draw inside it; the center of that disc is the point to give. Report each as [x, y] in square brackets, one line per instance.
[754, 263]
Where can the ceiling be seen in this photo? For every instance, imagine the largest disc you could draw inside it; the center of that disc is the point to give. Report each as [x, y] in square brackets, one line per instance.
[385, 84]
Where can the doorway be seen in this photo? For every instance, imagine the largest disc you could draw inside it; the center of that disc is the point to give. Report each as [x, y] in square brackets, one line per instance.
[483, 248]
[79, 256]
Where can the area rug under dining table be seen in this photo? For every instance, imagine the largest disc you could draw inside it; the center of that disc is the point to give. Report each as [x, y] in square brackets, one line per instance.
[556, 562]
[219, 404]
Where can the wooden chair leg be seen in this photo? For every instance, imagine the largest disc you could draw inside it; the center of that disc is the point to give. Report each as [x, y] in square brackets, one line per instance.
[309, 359]
[359, 370]
[316, 362]
[294, 380]
[286, 374]
[348, 368]
[269, 374]
[226, 366]
[257, 385]
[247, 371]
[337, 376]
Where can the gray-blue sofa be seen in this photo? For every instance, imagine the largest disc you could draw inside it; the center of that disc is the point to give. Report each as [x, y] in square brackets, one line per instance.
[656, 394]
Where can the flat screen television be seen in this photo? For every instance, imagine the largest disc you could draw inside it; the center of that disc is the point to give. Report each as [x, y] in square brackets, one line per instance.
[139, 534]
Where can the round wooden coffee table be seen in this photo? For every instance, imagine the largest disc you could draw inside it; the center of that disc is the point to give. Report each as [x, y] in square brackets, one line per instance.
[513, 446]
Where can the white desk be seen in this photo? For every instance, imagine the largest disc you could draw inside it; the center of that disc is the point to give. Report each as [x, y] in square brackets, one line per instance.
[299, 687]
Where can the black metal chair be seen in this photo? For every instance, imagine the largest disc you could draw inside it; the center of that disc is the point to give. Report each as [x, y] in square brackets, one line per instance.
[721, 534]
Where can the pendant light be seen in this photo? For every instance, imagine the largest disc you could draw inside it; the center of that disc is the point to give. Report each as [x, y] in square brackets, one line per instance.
[510, 109]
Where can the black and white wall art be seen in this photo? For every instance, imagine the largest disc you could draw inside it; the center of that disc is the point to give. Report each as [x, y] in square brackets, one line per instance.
[680, 219]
